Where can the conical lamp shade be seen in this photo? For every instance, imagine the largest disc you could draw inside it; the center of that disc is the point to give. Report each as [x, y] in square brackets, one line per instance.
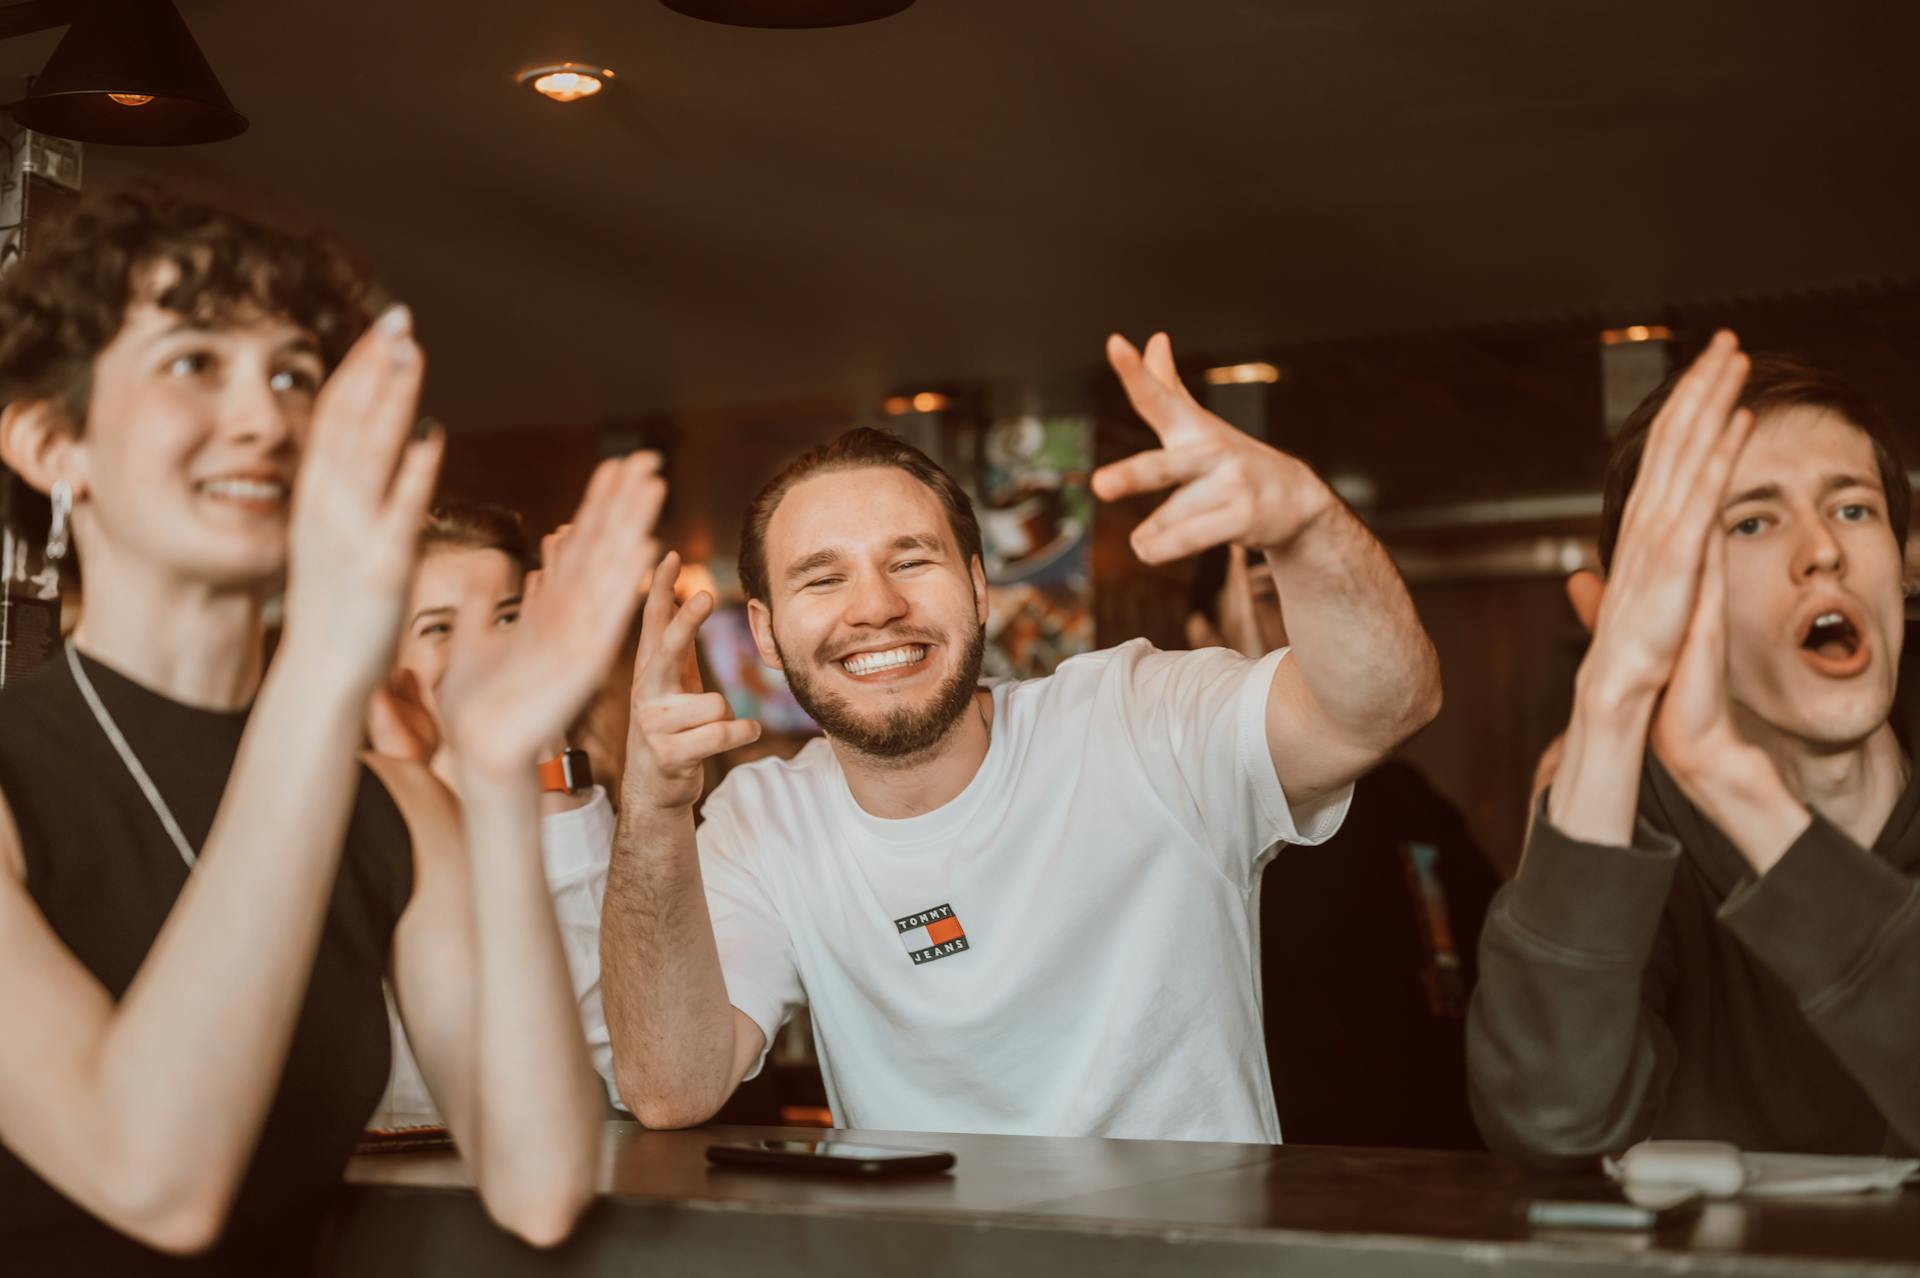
[790, 14]
[129, 50]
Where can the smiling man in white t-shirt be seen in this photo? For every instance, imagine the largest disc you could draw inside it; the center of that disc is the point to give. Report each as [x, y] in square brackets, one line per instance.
[1029, 908]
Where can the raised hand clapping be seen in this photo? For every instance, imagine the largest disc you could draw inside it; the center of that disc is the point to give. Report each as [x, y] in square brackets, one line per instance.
[505, 698]
[1671, 516]
[357, 505]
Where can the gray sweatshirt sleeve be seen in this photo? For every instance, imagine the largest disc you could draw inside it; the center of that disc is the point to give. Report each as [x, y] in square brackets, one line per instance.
[1841, 927]
[1568, 1054]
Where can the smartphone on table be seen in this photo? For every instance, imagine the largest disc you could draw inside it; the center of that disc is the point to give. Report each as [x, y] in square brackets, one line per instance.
[829, 1157]
[1604, 1205]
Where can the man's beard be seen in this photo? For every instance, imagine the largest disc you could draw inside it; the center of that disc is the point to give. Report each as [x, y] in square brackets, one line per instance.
[898, 735]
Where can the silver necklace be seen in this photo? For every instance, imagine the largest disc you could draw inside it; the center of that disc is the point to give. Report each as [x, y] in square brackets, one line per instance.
[128, 757]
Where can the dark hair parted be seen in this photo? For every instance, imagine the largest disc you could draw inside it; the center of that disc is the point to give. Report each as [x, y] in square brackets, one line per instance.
[854, 450]
[67, 299]
[1774, 382]
[478, 525]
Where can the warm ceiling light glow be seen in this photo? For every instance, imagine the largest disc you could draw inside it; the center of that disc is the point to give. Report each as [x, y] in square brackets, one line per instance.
[1242, 374]
[567, 81]
[924, 402]
[130, 99]
[567, 86]
[1636, 333]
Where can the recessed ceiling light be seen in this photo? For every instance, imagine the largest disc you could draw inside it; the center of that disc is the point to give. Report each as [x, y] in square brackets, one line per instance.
[567, 81]
[1242, 374]
[1636, 333]
[924, 402]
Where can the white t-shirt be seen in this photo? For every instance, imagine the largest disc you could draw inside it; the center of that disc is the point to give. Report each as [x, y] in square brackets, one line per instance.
[1067, 948]
[575, 847]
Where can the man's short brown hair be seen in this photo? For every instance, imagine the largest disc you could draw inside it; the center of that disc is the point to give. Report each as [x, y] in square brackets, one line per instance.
[857, 448]
[67, 299]
[478, 525]
[1773, 382]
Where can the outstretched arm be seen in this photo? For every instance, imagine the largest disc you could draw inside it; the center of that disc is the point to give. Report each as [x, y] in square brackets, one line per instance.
[679, 1045]
[1362, 675]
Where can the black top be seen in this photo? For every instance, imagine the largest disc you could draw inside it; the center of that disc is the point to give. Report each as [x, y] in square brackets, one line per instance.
[1664, 990]
[1367, 956]
[101, 868]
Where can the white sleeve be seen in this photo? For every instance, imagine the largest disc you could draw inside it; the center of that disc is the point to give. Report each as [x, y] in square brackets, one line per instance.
[756, 955]
[1198, 721]
[575, 847]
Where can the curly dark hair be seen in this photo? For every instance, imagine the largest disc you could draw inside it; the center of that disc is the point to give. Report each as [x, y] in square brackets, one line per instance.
[67, 298]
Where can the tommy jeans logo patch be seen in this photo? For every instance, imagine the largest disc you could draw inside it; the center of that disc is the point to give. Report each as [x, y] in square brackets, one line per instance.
[931, 934]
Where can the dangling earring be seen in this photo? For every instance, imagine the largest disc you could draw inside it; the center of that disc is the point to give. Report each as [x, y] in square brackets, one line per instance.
[59, 534]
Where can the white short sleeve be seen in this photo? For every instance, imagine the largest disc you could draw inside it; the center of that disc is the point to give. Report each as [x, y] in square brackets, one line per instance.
[1199, 724]
[756, 955]
[576, 845]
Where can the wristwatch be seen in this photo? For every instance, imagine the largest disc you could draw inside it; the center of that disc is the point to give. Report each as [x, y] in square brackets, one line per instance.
[569, 772]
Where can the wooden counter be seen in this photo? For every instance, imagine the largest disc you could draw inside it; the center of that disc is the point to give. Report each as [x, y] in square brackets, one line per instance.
[1057, 1207]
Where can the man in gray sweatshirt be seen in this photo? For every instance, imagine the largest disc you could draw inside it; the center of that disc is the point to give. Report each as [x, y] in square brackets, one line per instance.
[1715, 929]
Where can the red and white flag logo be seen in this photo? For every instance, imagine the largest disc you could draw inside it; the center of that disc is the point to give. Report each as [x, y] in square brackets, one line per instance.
[931, 934]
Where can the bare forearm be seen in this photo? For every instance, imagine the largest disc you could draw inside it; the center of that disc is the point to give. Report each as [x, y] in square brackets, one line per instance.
[1596, 789]
[666, 995]
[1359, 644]
[231, 964]
[536, 1124]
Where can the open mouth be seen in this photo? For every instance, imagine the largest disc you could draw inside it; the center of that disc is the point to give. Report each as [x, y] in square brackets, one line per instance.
[907, 658]
[1834, 644]
[246, 492]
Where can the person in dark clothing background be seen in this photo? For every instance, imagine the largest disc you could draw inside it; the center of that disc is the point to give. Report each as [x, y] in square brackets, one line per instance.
[1367, 941]
[1715, 930]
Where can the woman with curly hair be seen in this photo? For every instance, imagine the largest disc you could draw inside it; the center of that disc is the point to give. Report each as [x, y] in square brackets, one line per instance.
[203, 882]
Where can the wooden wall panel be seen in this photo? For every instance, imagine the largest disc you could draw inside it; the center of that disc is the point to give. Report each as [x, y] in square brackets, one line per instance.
[1508, 652]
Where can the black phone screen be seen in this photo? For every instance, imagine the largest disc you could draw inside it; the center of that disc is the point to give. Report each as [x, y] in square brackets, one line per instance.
[827, 1154]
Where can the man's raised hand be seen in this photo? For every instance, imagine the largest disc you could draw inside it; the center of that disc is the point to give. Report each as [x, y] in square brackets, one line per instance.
[1670, 515]
[676, 727]
[1229, 487]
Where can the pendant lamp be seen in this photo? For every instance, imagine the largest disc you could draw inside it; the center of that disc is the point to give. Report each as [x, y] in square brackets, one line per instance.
[788, 13]
[128, 73]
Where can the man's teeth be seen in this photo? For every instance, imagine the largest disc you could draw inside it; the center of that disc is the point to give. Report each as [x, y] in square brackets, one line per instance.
[246, 489]
[1829, 619]
[870, 662]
